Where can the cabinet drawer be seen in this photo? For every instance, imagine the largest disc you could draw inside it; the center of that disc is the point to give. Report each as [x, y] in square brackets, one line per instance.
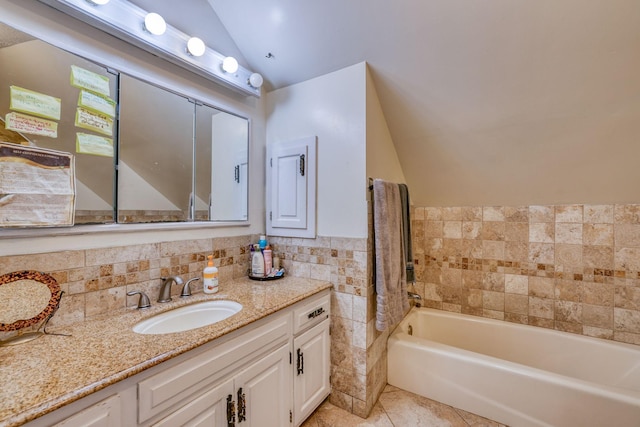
[176, 384]
[311, 313]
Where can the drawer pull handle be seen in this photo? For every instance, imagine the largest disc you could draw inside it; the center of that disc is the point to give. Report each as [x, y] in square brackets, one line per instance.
[315, 313]
[242, 406]
[300, 362]
[231, 412]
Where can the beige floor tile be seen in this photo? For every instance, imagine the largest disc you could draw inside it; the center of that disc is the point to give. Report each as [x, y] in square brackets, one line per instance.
[408, 409]
[328, 415]
[398, 408]
[476, 420]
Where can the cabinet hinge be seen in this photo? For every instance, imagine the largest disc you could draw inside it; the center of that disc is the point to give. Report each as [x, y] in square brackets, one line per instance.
[270, 215]
[290, 358]
[271, 162]
[290, 416]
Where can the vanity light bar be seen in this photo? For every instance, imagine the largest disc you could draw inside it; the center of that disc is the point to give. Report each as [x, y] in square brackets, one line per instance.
[126, 21]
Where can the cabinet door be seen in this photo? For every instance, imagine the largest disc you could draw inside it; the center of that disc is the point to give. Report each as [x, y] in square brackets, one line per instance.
[106, 413]
[311, 382]
[209, 409]
[291, 188]
[263, 391]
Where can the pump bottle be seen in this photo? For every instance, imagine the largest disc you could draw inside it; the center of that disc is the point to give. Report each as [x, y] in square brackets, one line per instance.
[210, 274]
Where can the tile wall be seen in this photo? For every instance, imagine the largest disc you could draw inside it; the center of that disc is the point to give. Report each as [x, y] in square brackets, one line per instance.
[358, 350]
[358, 368]
[574, 268]
[95, 281]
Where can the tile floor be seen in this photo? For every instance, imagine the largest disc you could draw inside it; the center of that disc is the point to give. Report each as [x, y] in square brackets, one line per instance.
[399, 408]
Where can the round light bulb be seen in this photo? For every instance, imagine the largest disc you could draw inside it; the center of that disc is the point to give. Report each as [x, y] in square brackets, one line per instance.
[155, 24]
[230, 65]
[99, 2]
[195, 46]
[256, 80]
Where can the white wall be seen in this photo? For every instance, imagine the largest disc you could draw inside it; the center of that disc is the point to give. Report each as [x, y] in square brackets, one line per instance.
[382, 158]
[56, 28]
[333, 108]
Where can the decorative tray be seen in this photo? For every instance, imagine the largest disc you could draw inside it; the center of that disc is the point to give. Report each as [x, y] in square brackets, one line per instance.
[265, 278]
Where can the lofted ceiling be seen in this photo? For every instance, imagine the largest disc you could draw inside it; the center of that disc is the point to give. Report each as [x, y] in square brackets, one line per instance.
[467, 87]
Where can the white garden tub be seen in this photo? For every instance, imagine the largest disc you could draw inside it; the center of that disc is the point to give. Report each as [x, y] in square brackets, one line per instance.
[515, 374]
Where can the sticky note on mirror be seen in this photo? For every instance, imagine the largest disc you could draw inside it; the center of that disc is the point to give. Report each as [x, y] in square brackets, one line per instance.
[35, 103]
[97, 103]
[96, 122]
[32, 125]
[94, 144]
[85, 79]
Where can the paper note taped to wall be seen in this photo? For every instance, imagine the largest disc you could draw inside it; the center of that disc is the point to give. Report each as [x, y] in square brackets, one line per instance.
[38, 104]
[85, 79]
[33, 125]
[94, 144]
[91, 120]
[98, 103]
[37, 186]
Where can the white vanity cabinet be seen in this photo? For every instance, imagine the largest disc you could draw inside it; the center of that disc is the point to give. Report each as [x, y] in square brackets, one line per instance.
[256, 396]
[107, 413]
[252, 364]
[271, 373]
[311, 366]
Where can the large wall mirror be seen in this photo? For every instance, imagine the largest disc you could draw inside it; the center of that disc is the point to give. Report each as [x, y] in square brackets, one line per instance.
[161, 158]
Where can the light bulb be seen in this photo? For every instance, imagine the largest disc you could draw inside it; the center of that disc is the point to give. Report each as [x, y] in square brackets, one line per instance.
[98, 2]
[155, 24]
[256, 80]
[195, 46]
[230, 65]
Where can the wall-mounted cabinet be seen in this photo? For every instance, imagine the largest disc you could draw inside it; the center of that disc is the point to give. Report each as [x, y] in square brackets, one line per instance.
[291, 188]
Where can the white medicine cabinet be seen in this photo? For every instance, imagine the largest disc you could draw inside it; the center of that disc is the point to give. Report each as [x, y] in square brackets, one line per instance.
[291, 188]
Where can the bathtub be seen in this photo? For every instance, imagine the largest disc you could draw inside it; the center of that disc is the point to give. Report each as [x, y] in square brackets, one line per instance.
[515, 374]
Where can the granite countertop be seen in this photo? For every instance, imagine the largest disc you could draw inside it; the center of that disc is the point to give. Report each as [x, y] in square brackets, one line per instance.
[52, 371]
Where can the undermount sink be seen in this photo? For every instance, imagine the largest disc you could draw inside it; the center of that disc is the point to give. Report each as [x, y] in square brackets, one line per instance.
[188, 317]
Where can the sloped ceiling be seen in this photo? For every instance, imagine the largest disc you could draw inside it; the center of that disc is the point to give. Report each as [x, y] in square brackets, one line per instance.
[488, 102]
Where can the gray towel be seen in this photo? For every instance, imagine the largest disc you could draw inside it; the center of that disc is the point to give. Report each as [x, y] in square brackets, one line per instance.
[390, 266]
[406, 231]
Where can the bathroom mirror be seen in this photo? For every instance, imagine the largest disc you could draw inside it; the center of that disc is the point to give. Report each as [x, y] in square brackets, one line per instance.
[33, 68]
[27, 298]
[155, 160]
[221, 144]
[178, 159]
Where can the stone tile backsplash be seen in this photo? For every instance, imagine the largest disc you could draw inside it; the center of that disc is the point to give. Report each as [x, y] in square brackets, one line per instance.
[95, 281]
[574, 268]
[343, 262]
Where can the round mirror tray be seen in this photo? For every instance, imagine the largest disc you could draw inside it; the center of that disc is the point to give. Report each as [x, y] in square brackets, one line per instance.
[27, 298]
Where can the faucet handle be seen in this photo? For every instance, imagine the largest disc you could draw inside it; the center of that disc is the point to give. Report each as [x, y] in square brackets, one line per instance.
[143, 302]
[186, 289]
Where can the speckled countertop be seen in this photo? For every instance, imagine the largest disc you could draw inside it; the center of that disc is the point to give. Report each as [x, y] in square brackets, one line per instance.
[52, 371]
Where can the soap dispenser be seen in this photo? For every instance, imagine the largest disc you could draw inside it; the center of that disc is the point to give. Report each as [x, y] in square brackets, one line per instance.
[210, 274]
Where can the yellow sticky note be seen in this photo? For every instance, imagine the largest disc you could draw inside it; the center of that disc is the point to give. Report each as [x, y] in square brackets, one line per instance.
[98, 103]
[85, 79]
[96, 122]
[29, 124]
[94, 144]
[38, 104]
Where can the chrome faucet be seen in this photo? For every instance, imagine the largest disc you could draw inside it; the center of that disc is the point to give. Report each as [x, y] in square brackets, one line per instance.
[186, 289]
[417, 298]
[165, 289]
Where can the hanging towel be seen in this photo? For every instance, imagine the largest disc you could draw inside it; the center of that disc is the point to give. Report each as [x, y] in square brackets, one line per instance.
[406, 231]
[390, 266]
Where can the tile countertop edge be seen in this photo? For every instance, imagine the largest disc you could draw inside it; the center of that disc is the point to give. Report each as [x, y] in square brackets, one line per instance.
[259, 300]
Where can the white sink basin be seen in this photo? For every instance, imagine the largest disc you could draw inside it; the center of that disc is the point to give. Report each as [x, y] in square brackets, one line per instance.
[188, 317]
